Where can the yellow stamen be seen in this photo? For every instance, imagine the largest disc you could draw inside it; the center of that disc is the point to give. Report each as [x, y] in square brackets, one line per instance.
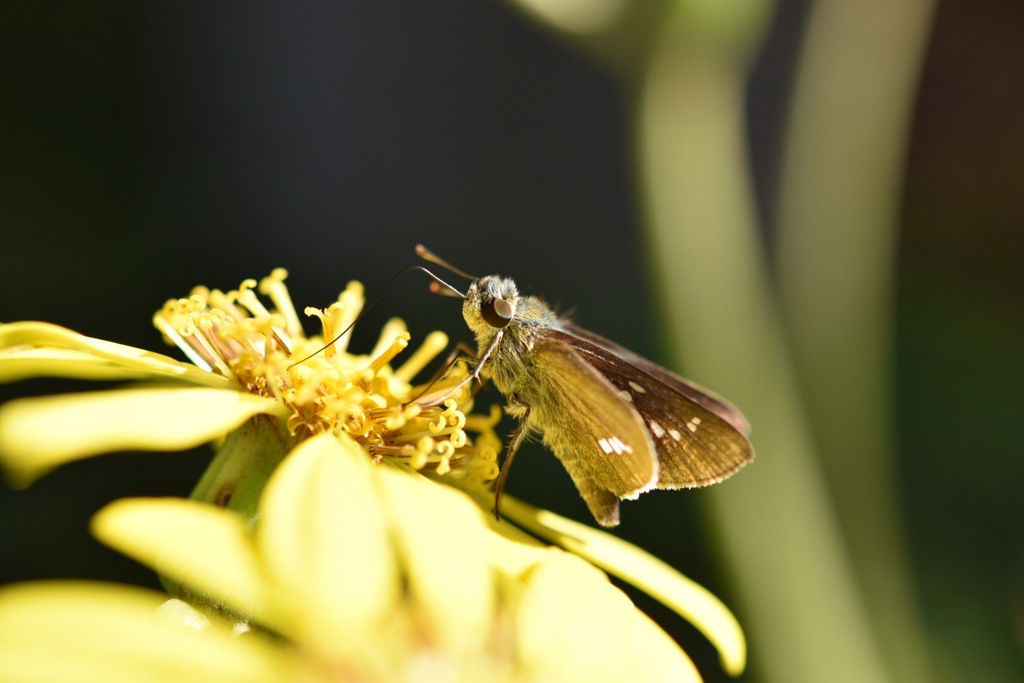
[247, 298]
[345, 311]
[397, 346]
[434, 344]
[273, 286]
[236, 335]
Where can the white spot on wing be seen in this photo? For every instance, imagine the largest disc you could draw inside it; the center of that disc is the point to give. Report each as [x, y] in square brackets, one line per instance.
[625, 395]
[614, 444]
[637, 388]
[656, 429]
[675, 434]
[692, 424]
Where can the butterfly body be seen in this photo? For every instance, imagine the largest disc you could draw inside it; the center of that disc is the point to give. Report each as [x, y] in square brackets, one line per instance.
[620, 424]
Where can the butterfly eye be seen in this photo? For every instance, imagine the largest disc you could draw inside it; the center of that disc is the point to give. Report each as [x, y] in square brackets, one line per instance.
[496, 312]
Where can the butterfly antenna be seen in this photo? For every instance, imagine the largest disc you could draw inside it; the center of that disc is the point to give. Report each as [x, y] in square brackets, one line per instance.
[438, 286]
[430, 256]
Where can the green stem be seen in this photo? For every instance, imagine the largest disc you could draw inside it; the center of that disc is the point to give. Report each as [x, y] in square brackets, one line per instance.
[237, 474]
[799, 601]
[837, 232]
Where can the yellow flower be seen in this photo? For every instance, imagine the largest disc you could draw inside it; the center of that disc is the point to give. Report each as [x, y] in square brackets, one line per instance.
[413, 585]
[248, 361]
[334, 559]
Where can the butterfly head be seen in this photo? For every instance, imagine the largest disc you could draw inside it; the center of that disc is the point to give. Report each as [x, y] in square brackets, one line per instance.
[490, 305]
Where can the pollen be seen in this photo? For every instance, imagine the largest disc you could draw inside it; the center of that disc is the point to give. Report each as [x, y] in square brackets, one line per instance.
[326, 388]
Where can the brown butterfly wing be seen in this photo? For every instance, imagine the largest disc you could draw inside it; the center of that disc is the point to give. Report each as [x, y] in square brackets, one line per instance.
[699, 438]
[600, 439]
[705, 398]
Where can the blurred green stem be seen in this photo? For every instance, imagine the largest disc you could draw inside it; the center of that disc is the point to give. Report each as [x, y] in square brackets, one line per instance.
[837, 223]
[814, 608]
[800, 605]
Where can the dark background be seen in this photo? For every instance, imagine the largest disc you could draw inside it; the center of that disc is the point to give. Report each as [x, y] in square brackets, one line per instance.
[147, 147]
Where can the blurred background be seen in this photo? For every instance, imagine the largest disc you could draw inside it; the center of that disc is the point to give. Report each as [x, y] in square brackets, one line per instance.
[813, 208]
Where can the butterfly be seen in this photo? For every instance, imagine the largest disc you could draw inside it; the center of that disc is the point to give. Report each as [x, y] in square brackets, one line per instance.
[619, 423]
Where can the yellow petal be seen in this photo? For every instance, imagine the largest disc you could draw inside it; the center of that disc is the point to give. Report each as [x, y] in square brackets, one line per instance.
[572, 624]
[37, 434]
[512, 550]
[324, 540]
[440, 535]
[643, 570]
[26, 346]
[207, 549]
[653, 653]
[92, 632]
[29, 363]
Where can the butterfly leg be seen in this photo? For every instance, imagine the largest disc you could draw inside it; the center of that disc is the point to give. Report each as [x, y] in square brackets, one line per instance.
[514, 442]
[473, 375]
[462, 351]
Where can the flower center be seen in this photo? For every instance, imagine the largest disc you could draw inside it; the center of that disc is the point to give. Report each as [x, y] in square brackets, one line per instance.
[327, 388]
